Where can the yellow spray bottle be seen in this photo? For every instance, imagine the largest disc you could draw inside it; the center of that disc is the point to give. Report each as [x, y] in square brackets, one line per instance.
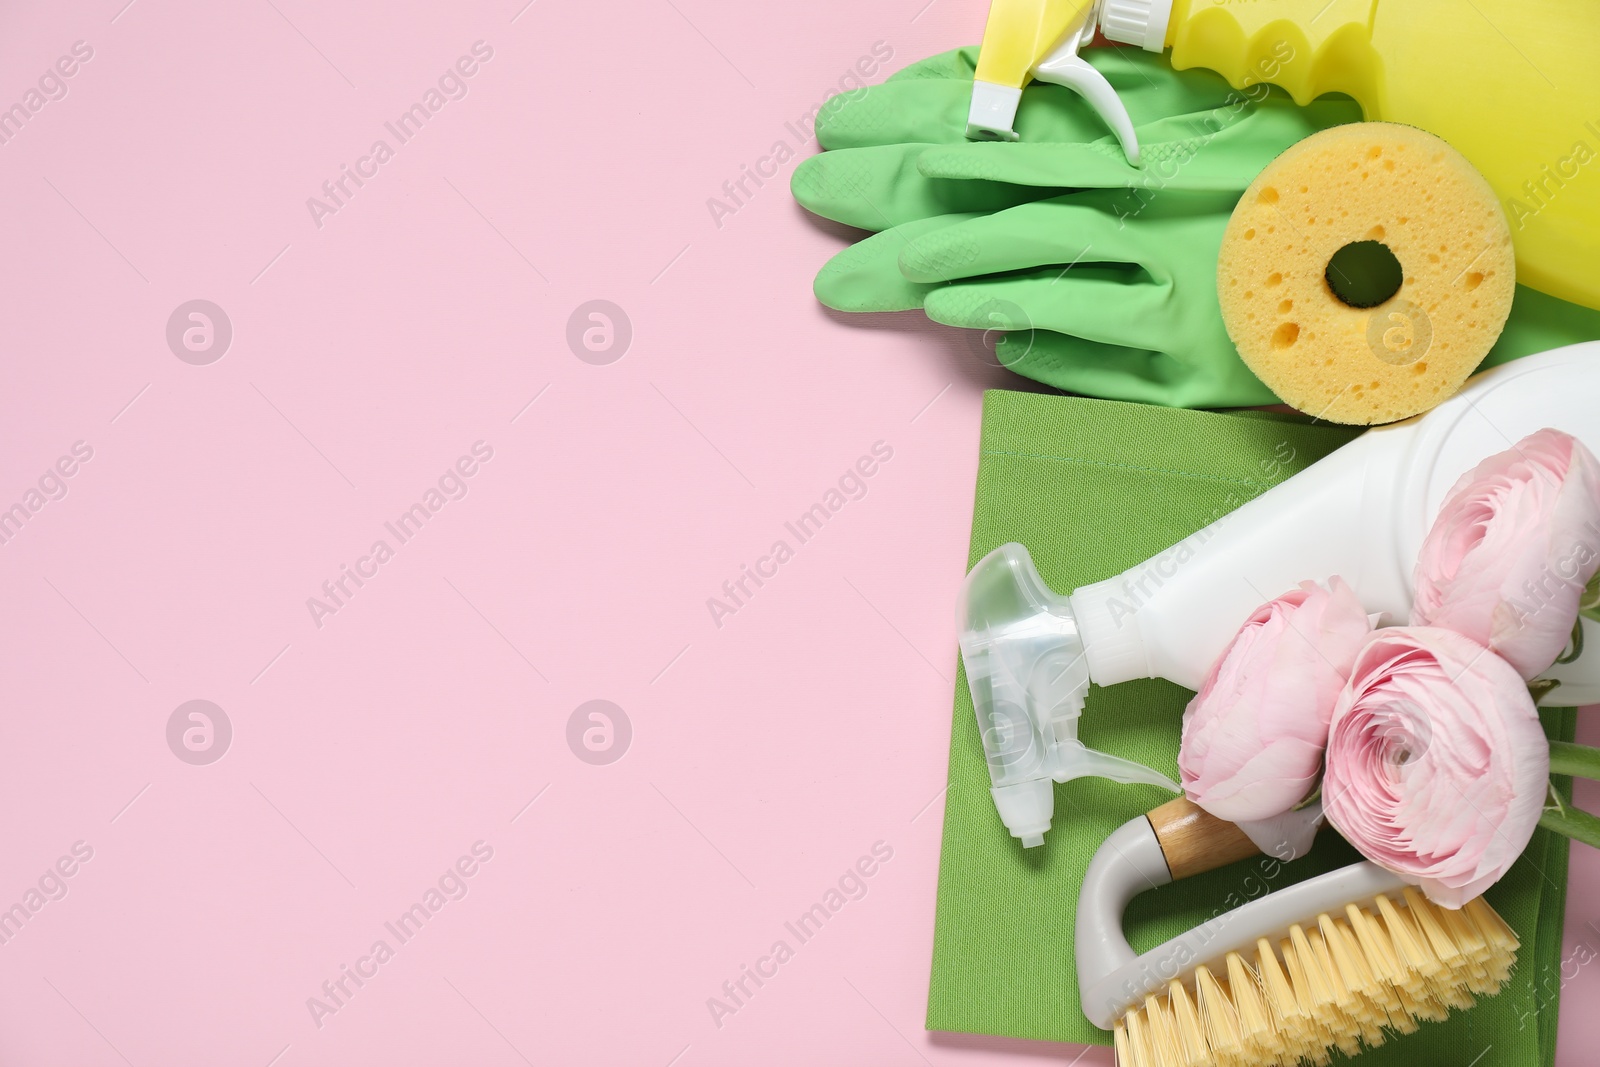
[1513, 85]
[1028, 39]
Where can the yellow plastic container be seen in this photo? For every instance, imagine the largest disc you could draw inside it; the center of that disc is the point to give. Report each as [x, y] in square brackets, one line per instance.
[1514, 85]
[1028, 39]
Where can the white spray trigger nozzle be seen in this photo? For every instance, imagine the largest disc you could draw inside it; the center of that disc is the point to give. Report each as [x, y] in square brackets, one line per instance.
[1064, 66]
[993, 111]
[1026, 669]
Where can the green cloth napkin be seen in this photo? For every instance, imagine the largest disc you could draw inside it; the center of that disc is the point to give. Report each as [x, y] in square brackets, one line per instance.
[1093, 487]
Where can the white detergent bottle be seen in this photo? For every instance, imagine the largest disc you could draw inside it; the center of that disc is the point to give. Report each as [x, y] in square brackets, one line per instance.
[1361, 513]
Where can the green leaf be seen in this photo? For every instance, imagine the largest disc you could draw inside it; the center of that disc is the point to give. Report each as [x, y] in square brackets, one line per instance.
[1311, 797]
[1556, 805]
[1540, 688]
[1577, 641]
[1589, 603]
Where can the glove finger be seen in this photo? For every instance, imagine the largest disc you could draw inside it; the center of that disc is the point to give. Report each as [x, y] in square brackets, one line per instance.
[1099, 303]
[1161, 233]
[958, 64]
[928, 101]
[897, 112]
[1218, 150]
[1143, 277]
[1096, 165]
[1145, 82]
[1115, 372]
[1068, 229]
[924, 102]
[877, 188]
[1238, 138]
[934, 111]
[1109, 305]
[1148, 86]
[866, 276]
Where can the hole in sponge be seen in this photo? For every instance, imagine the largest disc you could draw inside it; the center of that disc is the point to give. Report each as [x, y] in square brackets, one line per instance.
[1286, 335]
[1363, 274]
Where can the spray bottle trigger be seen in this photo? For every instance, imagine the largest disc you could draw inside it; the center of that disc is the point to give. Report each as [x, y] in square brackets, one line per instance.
[1065, 66]
[1078, 760]
[1029, 677]
[1062, 695]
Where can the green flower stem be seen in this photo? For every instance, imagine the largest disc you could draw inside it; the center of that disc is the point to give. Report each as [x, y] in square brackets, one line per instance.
[1578, 825]
[1582, 761]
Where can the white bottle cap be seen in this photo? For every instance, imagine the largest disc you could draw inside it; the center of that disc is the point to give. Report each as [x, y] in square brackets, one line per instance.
[993, 112]
[1108, 624]
[1140, 22]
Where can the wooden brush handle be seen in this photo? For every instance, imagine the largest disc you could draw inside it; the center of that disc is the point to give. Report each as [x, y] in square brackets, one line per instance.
[1194, 841]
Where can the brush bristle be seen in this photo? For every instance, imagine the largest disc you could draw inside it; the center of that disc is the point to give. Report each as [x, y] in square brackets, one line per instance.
[1338, 982]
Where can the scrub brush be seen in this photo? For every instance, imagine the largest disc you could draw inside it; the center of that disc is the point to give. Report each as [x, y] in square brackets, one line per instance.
[1335, 962]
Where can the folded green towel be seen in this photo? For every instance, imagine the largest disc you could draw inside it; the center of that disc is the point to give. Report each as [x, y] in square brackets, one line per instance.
[1092, 487]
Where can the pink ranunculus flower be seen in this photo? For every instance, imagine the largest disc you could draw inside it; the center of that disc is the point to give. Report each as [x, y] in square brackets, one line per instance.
[1512, 548]
[1253, 735]
[1436, 766]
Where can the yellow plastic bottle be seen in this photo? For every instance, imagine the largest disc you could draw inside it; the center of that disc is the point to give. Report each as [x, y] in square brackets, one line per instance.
[1039, 39]
[1514, 85]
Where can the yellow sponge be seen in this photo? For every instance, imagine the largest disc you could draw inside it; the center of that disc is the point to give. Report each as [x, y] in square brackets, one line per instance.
[1311, 258]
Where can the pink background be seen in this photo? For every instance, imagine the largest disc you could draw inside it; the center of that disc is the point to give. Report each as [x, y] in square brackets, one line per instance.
[767, 754]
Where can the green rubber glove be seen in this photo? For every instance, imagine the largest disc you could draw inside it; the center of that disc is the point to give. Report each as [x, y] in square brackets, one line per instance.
[1098, 292]
[1539, 322]
[898, 152]
[1098, 277]
[1101, 275]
